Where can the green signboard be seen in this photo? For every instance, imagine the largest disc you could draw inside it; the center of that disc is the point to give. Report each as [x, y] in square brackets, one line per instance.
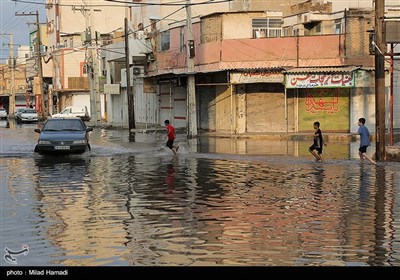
[329, 106]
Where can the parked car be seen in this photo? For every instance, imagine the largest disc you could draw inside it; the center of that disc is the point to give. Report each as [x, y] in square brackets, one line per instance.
[3, 113]
[63, 135]
[18, 112]
[74, 111]
[28, 115]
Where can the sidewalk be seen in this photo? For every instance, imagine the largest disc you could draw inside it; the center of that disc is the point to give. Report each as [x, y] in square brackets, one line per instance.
[392, 151]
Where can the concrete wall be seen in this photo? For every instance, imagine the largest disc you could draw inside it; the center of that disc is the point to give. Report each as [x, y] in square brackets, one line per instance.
[363, 106]
[238, 26]
[363, 101]
[323, 50]
[74, 21]
[67, 63]
[341, 5]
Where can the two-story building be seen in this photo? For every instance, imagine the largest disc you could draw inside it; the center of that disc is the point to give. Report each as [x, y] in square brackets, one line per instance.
[76, 34]
[276, 69]
[13, 82]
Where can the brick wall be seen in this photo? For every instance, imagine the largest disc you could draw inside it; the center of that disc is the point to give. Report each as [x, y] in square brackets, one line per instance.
[357, 38]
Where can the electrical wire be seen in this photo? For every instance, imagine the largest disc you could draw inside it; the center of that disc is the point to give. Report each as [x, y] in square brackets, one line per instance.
[125, 3]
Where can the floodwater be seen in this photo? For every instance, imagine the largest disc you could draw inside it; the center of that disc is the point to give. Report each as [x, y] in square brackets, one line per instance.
[130, 202]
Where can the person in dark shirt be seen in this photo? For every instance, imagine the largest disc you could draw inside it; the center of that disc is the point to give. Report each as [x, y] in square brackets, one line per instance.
[364, 141]
[171, 135]
[317, 144]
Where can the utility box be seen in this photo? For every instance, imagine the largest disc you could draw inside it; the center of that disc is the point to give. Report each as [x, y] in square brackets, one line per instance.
[392, 32]
[86, 36]
[191, 49]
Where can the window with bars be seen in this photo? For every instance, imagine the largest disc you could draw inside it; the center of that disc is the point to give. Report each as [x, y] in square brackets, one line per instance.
[182, 39]
[164, 41]
[266, 27]
[338, 27]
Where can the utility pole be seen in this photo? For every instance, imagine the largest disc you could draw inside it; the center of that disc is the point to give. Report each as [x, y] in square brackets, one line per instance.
[191, 89]
[42, 110]
[93, 62]
[131, 98]
[40, 68]
[95, 88]
[11, 108]
[11, 64]
[380, 105]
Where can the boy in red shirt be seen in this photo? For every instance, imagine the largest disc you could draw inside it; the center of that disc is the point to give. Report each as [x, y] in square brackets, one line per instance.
[171, 137]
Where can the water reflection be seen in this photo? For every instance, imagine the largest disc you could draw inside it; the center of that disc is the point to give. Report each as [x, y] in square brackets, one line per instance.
[142, 206]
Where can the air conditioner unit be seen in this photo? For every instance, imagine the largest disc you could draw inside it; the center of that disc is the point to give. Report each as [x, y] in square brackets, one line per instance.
[43, 49]
[136, 71]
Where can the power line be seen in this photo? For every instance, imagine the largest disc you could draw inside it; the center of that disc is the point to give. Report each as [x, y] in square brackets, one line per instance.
[136, 4]
[125, 3]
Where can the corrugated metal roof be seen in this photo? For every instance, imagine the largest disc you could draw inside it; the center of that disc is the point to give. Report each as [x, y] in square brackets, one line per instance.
[346, 69]
[257, 65]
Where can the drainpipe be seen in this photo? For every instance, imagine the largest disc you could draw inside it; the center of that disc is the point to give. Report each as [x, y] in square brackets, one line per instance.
[231, 86]
[297, 48]
[286, 111]
[391, 93]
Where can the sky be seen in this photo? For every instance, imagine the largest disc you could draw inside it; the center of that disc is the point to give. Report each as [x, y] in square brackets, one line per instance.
[18, 25]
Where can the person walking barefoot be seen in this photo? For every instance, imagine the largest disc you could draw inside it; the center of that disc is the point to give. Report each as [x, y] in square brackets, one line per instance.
[171, 135]
[317, 144]
[364, 141]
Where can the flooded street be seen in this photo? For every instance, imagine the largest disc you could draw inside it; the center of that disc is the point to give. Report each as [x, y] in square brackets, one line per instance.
[130, 202]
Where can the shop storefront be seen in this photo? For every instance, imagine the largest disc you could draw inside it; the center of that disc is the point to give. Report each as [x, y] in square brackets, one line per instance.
[321, 94]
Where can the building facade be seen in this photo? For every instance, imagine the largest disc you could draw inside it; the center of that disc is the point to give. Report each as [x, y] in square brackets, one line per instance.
[264, 70]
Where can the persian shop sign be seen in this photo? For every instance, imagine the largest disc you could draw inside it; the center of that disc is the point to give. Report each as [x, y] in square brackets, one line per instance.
[256, 77]
[320, 80]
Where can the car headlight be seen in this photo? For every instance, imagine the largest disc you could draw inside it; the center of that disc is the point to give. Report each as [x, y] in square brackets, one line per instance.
[83, 141]
[44, 142]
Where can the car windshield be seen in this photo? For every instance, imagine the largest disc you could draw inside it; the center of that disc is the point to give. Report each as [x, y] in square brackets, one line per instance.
[29, 111]
[71, 125]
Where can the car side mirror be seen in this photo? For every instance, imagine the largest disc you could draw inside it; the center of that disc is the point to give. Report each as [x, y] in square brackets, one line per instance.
[37, 130]
[89, 129]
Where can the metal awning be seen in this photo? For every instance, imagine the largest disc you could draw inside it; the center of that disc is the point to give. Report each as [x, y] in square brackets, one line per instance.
[327, 70]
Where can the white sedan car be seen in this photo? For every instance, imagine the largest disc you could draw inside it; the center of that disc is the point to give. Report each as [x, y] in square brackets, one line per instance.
[28, 115]
[3, 113]
[18, 112]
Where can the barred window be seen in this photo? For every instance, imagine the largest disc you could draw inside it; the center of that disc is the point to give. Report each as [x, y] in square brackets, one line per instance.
[182, 39]
[164, 41]
[266, 27]
[338, 27]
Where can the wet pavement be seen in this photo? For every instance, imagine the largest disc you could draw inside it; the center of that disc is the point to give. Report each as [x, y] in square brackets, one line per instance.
[130, 202]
